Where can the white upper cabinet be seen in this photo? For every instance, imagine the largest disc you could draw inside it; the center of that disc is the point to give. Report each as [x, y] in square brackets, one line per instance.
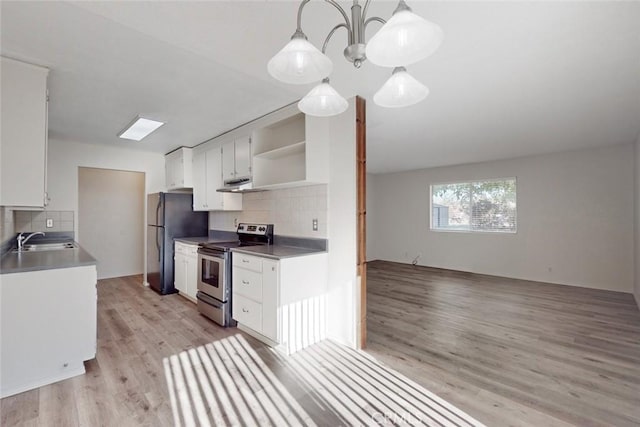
[207, 178]
[23, 149]
[243, 157]
[228, 160]
[178, 168]
[200, 182]
[236, 159]
[291, 152]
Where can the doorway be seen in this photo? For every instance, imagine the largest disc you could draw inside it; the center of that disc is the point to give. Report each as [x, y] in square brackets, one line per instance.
[111, 219]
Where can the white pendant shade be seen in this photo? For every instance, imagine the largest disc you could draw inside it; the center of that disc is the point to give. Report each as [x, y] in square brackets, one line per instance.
[323, 101]
[299, 62]
[404, 40]
[401, 90]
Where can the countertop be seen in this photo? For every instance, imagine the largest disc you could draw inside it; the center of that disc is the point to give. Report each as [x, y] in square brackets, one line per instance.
[193, 240]
[277, 251]
[45, 260]
[198, 240]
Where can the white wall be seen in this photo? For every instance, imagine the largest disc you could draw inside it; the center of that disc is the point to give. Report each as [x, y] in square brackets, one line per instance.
[575, 216]
[636, 285]
[64, 158]
[343, 288]
[371, 218]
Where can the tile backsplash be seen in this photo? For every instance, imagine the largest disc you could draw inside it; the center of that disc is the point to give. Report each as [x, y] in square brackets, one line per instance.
[7, 225]
[29, 221]
[291, 210]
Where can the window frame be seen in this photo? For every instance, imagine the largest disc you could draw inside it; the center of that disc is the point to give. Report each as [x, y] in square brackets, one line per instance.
[471, 231]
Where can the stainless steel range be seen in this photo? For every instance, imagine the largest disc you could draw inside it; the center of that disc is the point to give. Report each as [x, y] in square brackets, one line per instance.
[214, 271]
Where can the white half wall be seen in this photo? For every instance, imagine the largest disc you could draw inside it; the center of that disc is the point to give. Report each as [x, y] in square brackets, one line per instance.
[636, 192]
[575, 220]
[343, 290]
[64, 158]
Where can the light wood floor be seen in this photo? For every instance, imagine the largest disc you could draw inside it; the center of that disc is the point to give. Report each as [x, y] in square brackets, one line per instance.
[160, 363]
[509, 352]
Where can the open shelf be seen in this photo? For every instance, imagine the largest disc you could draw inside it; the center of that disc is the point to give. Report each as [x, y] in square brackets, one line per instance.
[278, 135]
[288, 150]
[287, 164]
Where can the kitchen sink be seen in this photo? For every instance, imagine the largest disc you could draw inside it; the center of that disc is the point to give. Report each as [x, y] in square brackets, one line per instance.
[39, 247]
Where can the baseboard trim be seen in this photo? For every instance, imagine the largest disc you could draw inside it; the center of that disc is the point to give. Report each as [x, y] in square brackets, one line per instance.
[72, 372]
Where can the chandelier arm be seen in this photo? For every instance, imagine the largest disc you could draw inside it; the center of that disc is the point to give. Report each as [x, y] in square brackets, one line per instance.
[364, 9]
[344, 14]
[333, 30]
[302, 5]
[370, 20]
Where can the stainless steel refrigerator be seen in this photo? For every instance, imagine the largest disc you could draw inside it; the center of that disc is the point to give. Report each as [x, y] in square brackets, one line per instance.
[169, 215]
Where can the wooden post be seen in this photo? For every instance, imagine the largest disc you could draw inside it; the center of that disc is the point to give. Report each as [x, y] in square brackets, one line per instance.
[361, 182]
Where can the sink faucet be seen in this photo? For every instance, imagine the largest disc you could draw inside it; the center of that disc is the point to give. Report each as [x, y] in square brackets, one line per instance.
[22, 240]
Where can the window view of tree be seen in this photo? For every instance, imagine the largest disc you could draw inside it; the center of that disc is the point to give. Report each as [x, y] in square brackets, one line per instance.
[474, 206]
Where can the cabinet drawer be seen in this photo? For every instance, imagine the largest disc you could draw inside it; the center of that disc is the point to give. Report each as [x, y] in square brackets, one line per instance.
[247, 283]
[180, 248]
[247, 312]
[192, 250]
[247, 261]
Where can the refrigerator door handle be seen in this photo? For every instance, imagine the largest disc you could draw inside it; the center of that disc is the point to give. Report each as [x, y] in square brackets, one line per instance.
[158, 210]
[158, 242]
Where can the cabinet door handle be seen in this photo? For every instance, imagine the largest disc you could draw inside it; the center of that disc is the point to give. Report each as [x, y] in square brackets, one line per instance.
[245, 282]
[245, 260]
[244, 310]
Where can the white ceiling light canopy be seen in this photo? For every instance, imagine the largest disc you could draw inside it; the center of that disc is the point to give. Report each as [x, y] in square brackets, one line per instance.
[139, 128]
[401, 90]
[405, 39]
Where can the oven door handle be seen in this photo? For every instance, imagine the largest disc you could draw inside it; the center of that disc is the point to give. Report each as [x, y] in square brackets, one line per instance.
[201, 296]
[209, 255]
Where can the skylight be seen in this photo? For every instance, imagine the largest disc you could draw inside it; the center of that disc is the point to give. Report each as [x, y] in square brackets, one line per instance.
[139, 129]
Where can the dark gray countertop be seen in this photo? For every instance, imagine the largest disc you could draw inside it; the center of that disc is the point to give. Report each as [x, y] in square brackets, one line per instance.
[45, 260]
[198, 240]
[277, 251]
[193, 240]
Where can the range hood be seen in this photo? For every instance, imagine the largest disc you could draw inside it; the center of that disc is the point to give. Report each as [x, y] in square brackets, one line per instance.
[241, 185]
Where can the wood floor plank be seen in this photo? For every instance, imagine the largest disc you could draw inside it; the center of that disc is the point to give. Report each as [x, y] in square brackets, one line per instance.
[509, 352]
[159, 361]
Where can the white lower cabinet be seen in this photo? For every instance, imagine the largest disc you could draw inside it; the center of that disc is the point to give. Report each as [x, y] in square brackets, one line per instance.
[48, 325]
[281, 302]
[185, 270]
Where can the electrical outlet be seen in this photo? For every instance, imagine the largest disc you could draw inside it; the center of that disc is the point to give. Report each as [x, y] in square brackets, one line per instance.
[235, 222]
[49, 223]
[314, 224]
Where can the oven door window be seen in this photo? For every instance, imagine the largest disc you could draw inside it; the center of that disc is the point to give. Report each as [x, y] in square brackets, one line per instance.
[210, 272]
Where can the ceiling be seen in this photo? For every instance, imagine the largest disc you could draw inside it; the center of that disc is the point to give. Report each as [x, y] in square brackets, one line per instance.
[511, 78]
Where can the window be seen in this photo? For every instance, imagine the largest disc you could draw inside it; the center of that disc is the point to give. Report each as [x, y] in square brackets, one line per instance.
[484, 206]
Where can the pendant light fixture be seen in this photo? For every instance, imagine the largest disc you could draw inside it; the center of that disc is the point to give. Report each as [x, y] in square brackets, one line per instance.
[323, 101]
[401, 90]
[404, 40]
